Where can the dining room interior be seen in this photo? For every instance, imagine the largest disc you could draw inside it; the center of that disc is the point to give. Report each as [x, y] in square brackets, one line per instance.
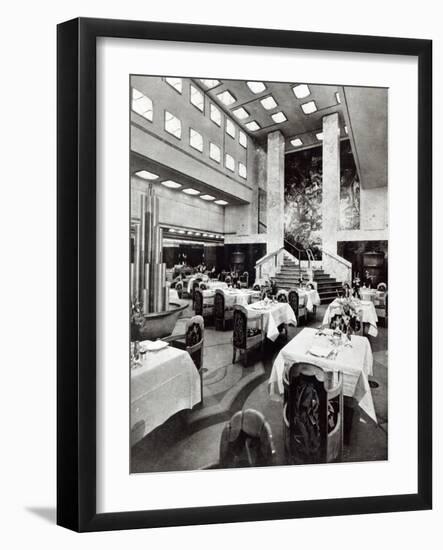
[258, 246]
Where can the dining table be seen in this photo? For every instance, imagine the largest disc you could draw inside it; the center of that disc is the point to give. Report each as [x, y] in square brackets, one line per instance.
[312, 297]
[273, 314]
[163, 382]
[352, 358]
[365, 309]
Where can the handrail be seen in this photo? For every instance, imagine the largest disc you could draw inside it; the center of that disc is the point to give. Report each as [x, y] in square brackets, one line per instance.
[337, 258]
[267, 256]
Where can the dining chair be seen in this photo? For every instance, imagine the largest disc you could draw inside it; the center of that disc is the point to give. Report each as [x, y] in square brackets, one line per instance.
[247, 441]
[222, 313]
[298, 305]
[192, 341]
[244, 280]
[381, 308]
[282, 296]
[312, 414]
[202, 307]
[195, 285]
[179, 288]
[248, 332]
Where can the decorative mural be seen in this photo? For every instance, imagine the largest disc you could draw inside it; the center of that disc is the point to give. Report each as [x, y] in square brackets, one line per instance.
[303, 196]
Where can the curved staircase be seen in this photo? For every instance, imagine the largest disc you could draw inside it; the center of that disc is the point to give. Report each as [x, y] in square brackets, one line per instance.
[289, 275]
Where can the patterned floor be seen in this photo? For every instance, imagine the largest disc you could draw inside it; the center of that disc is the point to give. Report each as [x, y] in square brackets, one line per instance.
[190, 440]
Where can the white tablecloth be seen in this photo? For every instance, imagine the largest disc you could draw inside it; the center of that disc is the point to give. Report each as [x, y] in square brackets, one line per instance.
[201, 276]
[311, 296]
[273, 316]
[365, 308]
[354, 362]
[212, 285]
[167, 382]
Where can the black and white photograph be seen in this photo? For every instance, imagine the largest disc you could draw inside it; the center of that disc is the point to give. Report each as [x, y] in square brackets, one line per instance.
[259, 253]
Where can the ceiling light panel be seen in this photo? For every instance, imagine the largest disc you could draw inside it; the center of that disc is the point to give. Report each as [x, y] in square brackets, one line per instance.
[268, 102]
[171, 184]
[279, 117]
[190, 191]
[296, 142]
[256, 87]
[144, 174]
[226, 98]
[221, 202]
[253, 126]
[207, 197]
[309, 107]
[208, 83]
[301, 91]
[240, 113]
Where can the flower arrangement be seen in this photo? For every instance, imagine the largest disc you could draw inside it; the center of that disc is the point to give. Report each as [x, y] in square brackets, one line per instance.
[137, 320]
[347, 320]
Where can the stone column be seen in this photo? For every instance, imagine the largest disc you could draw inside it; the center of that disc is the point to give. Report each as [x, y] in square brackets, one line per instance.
[331, 182]
[275, 183]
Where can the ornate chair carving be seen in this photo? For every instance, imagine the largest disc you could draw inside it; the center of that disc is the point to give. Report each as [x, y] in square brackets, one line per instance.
[195, 285]
[298, 305]
[248, 332]
[312, 414]
[381, 308]
[179, 288]
[222, 313]
[192, 341]
[282, 296]
[256, 287]
[246, 440]
[202, 307]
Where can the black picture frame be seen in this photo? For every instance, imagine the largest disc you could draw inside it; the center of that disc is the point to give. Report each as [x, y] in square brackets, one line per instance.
[76, 279]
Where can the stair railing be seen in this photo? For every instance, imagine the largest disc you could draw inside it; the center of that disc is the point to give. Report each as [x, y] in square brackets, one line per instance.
[267, 266]
[336, 266]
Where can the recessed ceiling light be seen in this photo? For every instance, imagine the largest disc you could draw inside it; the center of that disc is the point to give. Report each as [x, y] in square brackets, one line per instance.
[337, 97]
[190, 191]
[207, 197]
[346, 129]
[210, 83]
[171, 184]
[205, 234]
[144, 174]
[226, 98]
[256, 87]
[309, 107]
[241, 113]
[296, 142]
[198, 234]
[279, 117]
[319, 136]
[181, 231]
[301, 91]
[252, 126]
[172, 230]
[221, 203]
[268, 102]
[190, 232]
[211, 235]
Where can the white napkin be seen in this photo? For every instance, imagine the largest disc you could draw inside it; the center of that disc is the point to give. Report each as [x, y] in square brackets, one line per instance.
[320, 351]
[149, 345]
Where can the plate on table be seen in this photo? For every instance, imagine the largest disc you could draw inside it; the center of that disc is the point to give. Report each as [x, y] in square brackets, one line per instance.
[157, 345]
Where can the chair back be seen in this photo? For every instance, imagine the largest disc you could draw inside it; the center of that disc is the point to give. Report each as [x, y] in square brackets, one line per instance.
[240, 333]
[282, 296]
[312, 413]
[382, 287]
[228, 279]
[194, 336]
[244, 278]
[256, 287]
[247, 441]
[219, 304]
[203, 286]
[294, 299]
[198, 301]
[266, 293]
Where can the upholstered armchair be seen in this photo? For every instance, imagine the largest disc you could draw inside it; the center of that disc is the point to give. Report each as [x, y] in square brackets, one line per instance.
[248, 333]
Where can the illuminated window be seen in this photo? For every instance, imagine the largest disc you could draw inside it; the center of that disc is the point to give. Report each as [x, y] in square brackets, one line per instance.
[176, 83]
[226, 98]
[173, 125]
[142, 105]
[242, 138]
[214, 152]
[215, 114]
[195, 140]
[230, 128]
[197, 98]
[242, 170]
[230, 162]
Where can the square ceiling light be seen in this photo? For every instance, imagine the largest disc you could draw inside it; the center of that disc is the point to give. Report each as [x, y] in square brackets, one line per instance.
[279, 117]
[256, 87]
[296, 142]
[190, 191]
[337, 97]
[144, 174]
[346, 129]
[301, 91]
[210, 83]
[319, 136]
[241, 113]
[171, 184]
[226, 98]
[207, 197]
[309, 107]
[221, 202]
[268, 102]
[253, 126]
